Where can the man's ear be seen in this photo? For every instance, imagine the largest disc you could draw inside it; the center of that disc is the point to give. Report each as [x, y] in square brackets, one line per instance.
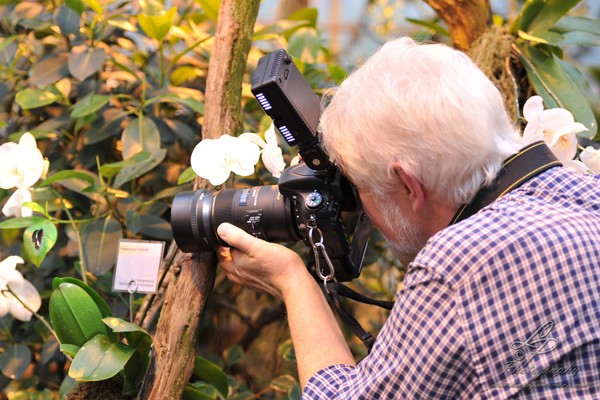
[414, 188]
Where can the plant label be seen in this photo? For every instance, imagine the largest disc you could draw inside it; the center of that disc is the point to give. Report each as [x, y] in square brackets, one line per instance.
[138, 262]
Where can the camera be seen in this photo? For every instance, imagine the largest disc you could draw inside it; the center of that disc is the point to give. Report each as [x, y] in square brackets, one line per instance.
[313, 200]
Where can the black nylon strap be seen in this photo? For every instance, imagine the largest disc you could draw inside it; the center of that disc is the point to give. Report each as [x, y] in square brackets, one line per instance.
[516, 170]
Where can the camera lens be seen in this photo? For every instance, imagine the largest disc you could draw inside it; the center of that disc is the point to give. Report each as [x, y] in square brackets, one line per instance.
[260, 210]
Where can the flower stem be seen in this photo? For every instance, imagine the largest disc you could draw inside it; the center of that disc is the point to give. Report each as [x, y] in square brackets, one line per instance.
[38, 316]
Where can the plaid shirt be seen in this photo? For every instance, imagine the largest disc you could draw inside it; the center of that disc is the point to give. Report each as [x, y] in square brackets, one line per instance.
[503, 304]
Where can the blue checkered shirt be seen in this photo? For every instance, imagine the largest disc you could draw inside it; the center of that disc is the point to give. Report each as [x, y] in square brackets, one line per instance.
[505, 304]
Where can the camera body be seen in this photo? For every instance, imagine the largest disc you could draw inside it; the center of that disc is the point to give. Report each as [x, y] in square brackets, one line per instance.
[312, 197]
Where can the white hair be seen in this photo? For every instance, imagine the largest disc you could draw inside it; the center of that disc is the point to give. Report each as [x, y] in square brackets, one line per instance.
[427, 107]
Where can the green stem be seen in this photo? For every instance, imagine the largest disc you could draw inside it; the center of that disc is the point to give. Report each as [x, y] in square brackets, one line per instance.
[74, 226]
[38, 316]
[162, 65]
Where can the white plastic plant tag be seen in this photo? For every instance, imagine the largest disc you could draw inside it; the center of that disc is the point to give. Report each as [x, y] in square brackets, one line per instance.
[138, 262]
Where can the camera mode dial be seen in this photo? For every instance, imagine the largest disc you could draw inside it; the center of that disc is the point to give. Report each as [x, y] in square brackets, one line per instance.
[314, 200]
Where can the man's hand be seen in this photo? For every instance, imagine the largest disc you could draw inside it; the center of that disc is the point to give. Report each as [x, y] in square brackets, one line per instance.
[262, 266]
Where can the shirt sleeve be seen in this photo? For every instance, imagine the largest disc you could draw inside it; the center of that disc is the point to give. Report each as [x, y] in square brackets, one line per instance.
[419, 352]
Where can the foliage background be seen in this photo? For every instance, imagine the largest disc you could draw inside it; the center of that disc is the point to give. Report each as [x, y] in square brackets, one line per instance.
[113, 90]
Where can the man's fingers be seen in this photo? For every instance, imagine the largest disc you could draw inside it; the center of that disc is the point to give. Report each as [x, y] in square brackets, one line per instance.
[236, 237]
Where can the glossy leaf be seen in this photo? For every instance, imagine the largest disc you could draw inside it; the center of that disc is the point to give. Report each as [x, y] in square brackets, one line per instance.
[210, 8]
[89, 104]
[157, 26]
[556, 87]
[130, 172]
[187, 101]
[14, 360]
[85, 61]
[38, 239]
[430, 25]
[549, 14]
[149, 225]
[67, 385]
[283, 383]
[99, 359]
[193, 392]
[108, 124]
[22, 222]
[572, 23]
[49, 70]
[74, 315]
[528, 12]
[187, 175]
[66, 174]
[67, 19]
[100, 242]
[295, 393]
[212, 374]
[580, 38]
[304, 45]
[94, 5]
[233, 355]
[141, 134]
[33, 98]
[75, 5]
[111, 169]
[69, 349]
[98, 300]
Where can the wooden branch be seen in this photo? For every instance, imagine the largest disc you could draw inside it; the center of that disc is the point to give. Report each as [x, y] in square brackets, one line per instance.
[172, 360]
[466, 19]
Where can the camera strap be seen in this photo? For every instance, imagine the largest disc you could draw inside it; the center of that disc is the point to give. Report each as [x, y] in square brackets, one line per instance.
[530, 161]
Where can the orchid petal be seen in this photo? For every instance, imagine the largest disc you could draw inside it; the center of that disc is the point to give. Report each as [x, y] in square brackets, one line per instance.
[29, 295]
[576, 166]
[273, 159]
[579, 127]
[12, 207]
[532, 110]
[271, 136]
[591, 159]
[254, 138]
[208, 161]
[556, 119]
[9, 167]
[4, 305]
[32, 162]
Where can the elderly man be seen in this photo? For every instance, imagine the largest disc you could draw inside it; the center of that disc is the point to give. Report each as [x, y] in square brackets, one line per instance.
[498, 301]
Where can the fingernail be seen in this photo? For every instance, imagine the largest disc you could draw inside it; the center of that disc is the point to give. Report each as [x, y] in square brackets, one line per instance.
[223, 230]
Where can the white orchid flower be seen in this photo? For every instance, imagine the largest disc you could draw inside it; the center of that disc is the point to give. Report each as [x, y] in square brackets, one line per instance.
[272, 155]
[215, 159]
[591, 159]
[555, 126]
[22, 288]
[21, 167]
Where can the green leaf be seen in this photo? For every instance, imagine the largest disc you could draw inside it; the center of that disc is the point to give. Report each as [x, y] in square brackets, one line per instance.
[337, 73]
[100, 302]
[49, 70]
[286, 350]
[34, 206]
[530, 9]
[305, 14]
[75, 5]
[66, 174]
[21, 222]
[85, 61]
[570, 23]
[33, 98]
[69, 349]
[110, 170]
[100, 240]
[51, 345]
[74, 315]
[120, 325]
[107, 125]
[543, 37]
[304, 45]
[141, 134]
[99, 359]
[170, 192]
[130, 172]
[94, 5]
[210, 8]
[556, 86]
[295, 393]
[91, 103]
[38, 239]
[212, 374]
[189, 102]
[283, 383]
[187, 175]
[233, 355]
[67, 19]
[14, 360]
[157, 26]
[149, 225]
[192, 392]
[67, 385]
[580, 38]
[437, 28]
[549, 14]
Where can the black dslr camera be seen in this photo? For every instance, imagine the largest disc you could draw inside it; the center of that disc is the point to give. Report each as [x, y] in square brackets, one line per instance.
[313, 200]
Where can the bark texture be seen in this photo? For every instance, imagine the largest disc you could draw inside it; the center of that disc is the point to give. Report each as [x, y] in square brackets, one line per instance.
[466, 19]
[172, 361]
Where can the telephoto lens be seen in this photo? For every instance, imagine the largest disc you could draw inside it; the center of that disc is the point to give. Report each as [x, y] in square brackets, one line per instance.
[260, 210]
